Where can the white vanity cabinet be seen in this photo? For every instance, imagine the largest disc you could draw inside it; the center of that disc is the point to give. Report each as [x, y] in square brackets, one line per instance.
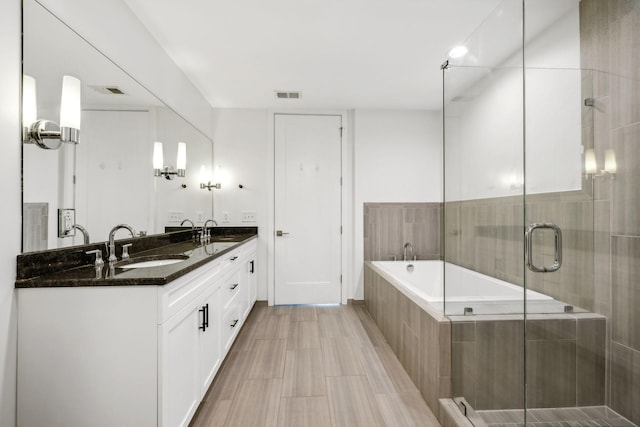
[128, 355]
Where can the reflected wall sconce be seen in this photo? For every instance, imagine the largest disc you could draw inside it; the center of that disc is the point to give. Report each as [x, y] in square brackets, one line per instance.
[169, 172]
[205, 181]
[591, 164]
[45, 133]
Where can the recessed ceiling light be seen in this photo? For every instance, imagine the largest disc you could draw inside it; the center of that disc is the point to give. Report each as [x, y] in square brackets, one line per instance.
[458, 52]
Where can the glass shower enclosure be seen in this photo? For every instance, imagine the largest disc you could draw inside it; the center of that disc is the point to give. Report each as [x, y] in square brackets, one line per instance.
[540, 224]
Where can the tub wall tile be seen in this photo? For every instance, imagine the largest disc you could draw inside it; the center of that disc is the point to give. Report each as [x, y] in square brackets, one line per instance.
[388, 226]
[499, 377]
[590, 362]
[551, 373]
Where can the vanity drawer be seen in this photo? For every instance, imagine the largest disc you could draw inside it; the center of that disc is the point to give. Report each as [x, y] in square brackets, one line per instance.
[231, 323]
[231, 287]
[179, 293]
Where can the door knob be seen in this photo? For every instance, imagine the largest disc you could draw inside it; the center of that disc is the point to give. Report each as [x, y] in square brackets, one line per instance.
[280, 233]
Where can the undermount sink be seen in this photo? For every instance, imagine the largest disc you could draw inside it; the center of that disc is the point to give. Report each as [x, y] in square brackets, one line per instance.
[151, 261]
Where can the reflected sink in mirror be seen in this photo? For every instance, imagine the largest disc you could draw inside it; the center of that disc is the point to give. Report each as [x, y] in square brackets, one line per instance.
[151, 261]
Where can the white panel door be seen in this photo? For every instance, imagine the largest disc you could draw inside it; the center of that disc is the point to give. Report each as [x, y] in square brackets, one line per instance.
[307, 209]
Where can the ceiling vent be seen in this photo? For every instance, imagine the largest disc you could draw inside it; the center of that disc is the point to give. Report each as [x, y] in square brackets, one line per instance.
[281, 94]
[108, 90]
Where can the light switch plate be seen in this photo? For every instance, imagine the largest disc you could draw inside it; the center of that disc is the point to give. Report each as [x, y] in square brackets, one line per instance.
[175, 217]
[66, 221]
[225, 216]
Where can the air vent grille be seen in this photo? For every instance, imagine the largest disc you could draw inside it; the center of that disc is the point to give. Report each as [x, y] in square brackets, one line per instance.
[283, 94]
[108, 90]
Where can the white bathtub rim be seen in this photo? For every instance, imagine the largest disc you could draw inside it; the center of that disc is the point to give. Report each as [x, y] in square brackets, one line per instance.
[417, 297]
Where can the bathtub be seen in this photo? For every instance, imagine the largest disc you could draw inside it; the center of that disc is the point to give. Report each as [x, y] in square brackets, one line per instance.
[467, 291]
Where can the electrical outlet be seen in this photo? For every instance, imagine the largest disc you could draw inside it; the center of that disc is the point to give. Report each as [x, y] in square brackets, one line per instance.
[225, 216]
[66, 221]
[175, 217]
[199, 216]
[248, 217]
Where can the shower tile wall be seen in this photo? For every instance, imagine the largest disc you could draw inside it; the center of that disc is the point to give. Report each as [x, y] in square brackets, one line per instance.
[487, 236]
[388, 226]
[611, 45]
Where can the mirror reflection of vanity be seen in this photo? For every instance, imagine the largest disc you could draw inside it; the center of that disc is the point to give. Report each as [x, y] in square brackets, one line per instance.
[108, 177]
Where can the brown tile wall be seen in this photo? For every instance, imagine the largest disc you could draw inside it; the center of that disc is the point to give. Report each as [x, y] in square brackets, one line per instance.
[565, 361]
[610, 45]
[388, 226]
[482, 358]
[421, 341]
[487, 236]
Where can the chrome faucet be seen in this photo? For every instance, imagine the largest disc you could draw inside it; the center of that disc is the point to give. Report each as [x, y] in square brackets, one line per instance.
[112, 235]
[407, 246]
[84, 232]
[193, 226]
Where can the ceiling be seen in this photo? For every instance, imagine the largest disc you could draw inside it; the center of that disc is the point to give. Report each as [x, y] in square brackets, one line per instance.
[339, 53]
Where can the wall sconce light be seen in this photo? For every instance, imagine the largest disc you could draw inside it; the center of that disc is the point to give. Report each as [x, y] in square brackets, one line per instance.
[45, 133]
[591, 164]
[204, 177]
[159, 169]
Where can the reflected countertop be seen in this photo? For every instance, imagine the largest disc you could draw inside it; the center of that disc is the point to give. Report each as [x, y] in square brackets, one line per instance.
[87, 275]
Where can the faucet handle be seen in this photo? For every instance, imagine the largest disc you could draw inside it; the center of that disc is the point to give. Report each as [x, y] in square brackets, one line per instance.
[98, 252]
[393, 257]
[125, 250]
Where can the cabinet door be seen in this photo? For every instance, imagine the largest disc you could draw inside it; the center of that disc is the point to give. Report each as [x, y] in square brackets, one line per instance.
[252, 266]
[210, 344]
[180, 363]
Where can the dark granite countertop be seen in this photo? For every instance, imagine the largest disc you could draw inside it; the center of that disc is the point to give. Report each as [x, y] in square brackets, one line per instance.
[87, 275]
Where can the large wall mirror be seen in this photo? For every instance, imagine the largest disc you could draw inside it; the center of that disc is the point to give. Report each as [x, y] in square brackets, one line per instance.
[108, 177]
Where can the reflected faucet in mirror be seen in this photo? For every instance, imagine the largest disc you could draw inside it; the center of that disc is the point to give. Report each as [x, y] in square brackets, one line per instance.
[205, 230]
[112, 235]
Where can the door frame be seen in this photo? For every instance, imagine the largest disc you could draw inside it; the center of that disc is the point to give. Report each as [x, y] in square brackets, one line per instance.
[346, 202]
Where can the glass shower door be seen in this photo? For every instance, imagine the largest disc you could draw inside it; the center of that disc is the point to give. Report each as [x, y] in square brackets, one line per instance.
[564, 338]
[484, 217]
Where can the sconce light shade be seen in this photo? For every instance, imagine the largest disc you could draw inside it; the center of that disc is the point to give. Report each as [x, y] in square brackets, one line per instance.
[610, 164]
[29, 105]
[158, 159]
[181, 161]
[590, 165]
[159, 169]
[70, 110]
[46, 133]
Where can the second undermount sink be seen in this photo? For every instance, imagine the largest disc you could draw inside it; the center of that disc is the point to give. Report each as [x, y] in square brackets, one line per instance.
[151, 261]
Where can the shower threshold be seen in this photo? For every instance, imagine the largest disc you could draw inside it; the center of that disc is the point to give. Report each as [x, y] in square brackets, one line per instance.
[588, 416]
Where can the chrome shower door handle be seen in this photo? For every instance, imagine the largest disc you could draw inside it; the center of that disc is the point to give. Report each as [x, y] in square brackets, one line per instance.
[528, 236]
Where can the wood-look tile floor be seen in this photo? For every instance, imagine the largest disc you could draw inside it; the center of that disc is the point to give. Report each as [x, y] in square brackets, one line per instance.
[307, 366]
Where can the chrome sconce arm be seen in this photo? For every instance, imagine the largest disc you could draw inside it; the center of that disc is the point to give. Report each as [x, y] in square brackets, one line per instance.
[169, 172]
[209, 186]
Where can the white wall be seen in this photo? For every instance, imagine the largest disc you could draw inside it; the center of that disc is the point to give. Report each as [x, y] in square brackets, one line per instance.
[114, 30]
[240, 151]
[398, 158]
[11, 200]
